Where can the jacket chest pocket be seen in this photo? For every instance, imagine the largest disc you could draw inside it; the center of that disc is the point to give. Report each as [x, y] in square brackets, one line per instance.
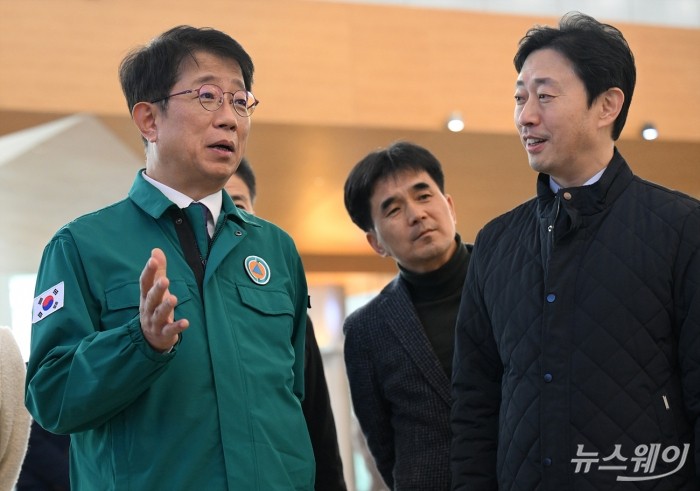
[267, 316]
[122, 302]
[266, 302]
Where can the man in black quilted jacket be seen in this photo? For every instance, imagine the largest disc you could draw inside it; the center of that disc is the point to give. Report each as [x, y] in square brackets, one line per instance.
[577, 351]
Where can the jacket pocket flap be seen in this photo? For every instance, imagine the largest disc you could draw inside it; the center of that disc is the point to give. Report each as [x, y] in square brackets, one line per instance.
[271, 302]
[128, 295]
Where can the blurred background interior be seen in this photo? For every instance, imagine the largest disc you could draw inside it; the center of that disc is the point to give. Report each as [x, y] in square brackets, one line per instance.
[337, 79]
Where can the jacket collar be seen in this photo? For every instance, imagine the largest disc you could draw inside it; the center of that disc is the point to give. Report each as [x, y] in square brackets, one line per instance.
[589, 200]
[155, 203]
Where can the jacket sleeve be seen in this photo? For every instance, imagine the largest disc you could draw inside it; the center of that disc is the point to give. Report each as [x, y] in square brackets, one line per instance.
[476, 391]
[688, 322]
[371, 408]
[79, 375]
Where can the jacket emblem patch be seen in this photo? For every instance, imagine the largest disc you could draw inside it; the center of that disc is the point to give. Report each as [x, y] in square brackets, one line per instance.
[257, 269]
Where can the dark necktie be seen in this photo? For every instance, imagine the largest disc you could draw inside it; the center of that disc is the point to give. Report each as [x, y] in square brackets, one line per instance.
[197, 214]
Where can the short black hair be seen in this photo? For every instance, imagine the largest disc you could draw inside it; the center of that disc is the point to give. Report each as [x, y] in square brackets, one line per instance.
[149, 72]
[399, 157]
[245, 172]
[599, 53]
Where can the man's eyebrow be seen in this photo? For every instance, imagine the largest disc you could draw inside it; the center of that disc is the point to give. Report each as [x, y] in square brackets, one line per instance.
[419, 186]
[387, 203]
[204, 79]
[537, 82]
[209, 78]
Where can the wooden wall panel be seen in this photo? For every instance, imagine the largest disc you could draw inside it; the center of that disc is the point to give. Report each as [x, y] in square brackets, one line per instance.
[337, 81]
[325, 63]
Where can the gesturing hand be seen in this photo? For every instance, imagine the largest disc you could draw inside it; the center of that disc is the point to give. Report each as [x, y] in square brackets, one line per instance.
[157, 305]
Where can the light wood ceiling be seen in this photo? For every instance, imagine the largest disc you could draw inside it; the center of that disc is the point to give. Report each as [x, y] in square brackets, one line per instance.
[338, 81]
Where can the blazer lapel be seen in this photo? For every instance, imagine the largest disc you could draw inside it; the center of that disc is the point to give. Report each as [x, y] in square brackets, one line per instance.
[403, 321]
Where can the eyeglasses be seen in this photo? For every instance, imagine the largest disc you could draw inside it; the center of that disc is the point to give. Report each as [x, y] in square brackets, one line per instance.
[211, 97]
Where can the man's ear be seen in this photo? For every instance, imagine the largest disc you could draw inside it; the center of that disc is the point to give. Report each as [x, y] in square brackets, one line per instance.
[374, 243]
[610, 105]
[144, 116]
[451, 204]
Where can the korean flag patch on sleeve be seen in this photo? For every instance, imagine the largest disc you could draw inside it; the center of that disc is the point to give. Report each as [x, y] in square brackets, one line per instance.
[47, 303]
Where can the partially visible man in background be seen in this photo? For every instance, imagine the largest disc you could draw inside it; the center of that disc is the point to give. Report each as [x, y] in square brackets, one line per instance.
[45, 468]
[316, 404]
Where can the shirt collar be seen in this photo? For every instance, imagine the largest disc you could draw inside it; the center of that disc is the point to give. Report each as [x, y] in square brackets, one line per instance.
[212, 202]
[596, 177]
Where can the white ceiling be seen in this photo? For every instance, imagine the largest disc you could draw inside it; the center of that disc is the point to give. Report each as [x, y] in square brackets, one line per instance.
[676, 13]
[51, 174]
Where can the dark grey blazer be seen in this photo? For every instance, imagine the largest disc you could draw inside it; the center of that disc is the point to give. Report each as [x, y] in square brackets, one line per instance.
[400, 393]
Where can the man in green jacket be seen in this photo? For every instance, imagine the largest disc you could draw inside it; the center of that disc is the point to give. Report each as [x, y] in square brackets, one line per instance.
[176, 363]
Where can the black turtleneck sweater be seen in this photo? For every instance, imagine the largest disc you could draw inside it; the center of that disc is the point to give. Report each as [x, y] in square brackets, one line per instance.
[436, 297]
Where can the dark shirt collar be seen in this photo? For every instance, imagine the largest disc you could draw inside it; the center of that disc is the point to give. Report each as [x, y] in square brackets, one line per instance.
[444, 280]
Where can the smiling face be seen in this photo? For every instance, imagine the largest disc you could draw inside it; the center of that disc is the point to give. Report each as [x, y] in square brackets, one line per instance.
[190, 149]
[562, 136]
[413, 221]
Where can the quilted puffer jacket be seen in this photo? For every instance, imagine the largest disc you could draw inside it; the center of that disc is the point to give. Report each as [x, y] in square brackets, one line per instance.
[577, 357]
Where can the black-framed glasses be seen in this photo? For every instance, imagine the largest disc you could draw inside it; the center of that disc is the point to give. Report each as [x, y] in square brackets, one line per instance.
[211, 97]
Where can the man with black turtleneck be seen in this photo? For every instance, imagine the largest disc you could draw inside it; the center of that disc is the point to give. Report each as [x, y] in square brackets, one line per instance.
[398, 347]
